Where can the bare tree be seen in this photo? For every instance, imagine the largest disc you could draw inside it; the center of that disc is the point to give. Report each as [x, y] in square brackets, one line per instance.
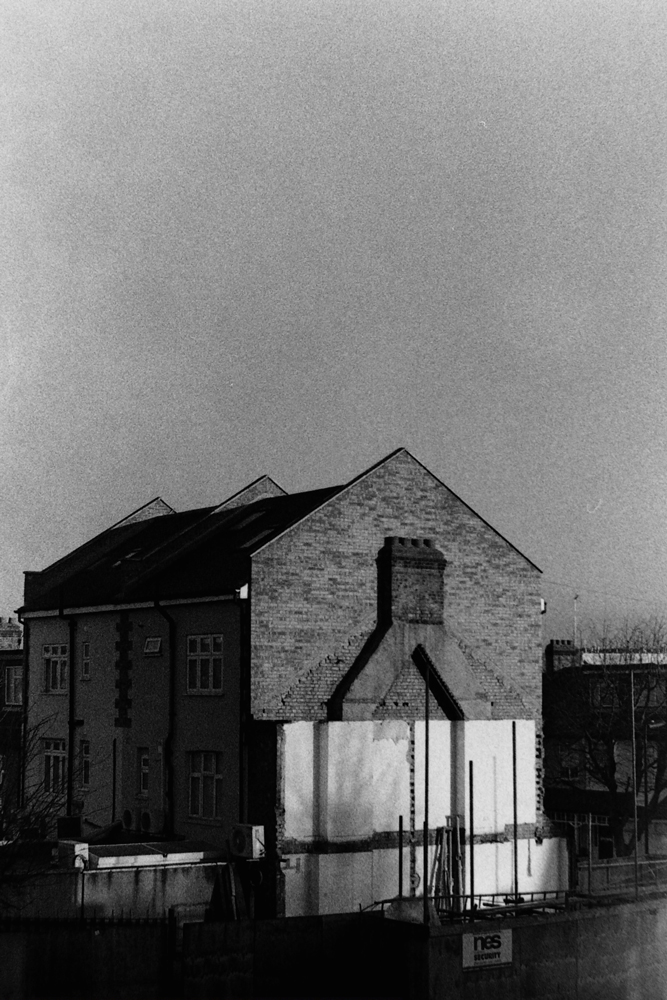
[605, 711]
[29, 810]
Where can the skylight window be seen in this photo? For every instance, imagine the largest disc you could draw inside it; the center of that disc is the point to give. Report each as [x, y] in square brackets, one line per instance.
[128, 557]
[248, 520]
[256, 538]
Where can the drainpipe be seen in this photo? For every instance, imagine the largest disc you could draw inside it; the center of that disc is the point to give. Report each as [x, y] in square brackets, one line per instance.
[20, 790]
[71, 719]
[244, 698]
[169, 742]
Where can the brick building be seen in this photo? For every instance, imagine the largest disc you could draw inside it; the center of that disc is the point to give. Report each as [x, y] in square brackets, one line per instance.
[265, 661]
[592, 696]
[11, 711]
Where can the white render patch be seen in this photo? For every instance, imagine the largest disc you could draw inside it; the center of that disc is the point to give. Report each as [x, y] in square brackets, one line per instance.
[345, 780]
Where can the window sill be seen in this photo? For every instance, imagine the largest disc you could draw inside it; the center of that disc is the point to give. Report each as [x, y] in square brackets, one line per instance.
[205, 694]
[205, 820]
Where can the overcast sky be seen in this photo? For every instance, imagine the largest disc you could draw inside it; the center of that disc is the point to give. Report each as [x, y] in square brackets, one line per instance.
[289, 236]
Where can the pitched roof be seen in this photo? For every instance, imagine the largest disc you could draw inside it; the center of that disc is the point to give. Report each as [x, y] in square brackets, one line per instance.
[157, 553]
[196, 553]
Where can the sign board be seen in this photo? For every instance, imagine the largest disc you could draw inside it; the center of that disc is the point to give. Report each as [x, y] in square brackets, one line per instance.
[487, 949]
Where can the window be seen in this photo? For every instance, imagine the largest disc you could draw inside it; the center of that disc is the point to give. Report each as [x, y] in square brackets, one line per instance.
[55, 669]
[84, 754]
[206, 785]
[14, 685]
[569, 760]
[85, 661]
[205, 664]
[143, 765]
[153, 646]
[54, 766]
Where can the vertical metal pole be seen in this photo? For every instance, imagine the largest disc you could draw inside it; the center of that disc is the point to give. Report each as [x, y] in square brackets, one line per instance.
[634, 777]
[426, 749]
[113, 781]
[400, 857]
[516, 824]
[590, 852]
[472, 838]
[646, 823]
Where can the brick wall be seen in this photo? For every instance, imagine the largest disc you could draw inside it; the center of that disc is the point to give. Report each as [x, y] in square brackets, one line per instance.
[317, 584]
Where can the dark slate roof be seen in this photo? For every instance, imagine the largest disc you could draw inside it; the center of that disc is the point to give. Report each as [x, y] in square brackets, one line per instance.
[198, 553]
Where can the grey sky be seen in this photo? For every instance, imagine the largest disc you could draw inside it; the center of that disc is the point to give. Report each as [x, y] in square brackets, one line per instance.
[288, 237]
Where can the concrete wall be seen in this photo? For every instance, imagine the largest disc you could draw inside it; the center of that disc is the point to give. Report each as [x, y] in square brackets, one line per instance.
[317, 585]
[614, 953]
[110, 892]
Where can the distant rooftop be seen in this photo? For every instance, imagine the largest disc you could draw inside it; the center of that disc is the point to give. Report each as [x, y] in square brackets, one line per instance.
[11, 633]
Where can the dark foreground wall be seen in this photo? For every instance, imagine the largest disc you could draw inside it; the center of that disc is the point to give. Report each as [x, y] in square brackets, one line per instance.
[611, 953]
[85, 960]
[614, 952]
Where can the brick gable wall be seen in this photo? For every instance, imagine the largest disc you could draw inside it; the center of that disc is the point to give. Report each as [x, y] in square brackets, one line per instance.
[317, 585]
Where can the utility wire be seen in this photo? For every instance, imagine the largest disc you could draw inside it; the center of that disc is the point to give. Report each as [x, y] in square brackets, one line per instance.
[594, 590]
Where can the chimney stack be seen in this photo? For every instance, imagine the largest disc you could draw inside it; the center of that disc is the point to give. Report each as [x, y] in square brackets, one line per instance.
[411, 581]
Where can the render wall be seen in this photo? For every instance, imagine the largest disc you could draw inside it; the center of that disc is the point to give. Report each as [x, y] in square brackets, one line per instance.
[345, 784]
[138, 892]
[314, 590]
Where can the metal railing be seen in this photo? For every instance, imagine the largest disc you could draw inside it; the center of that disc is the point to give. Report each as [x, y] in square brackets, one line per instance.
[621, 876]
[453, 908]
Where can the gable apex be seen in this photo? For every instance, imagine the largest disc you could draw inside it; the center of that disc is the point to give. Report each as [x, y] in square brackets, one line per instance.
[154, 508]
[401, 452]
[258, 489]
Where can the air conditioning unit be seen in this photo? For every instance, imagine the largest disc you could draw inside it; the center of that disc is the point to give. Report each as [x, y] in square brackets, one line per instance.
[149, 820]
[247, 841]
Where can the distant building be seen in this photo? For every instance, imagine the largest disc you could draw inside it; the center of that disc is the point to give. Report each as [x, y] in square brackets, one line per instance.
[11, 634]
[11, 712]
[588, 736]
[264, 661]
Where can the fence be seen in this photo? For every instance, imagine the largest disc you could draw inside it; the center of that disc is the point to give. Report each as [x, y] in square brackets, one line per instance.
[461, 909]
[621, 875]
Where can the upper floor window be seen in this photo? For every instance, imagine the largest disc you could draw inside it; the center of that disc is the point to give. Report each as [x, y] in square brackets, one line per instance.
[206, 785]
[84, 762]
[85, 661]
[54, 765]
[205, 664]
[14, 685]
[143, 767]
[55, 669]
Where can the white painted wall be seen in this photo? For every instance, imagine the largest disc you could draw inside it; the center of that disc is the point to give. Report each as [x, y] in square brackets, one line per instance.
[347, 780]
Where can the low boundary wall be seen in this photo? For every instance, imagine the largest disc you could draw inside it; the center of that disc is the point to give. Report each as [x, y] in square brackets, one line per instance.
[611, 952]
